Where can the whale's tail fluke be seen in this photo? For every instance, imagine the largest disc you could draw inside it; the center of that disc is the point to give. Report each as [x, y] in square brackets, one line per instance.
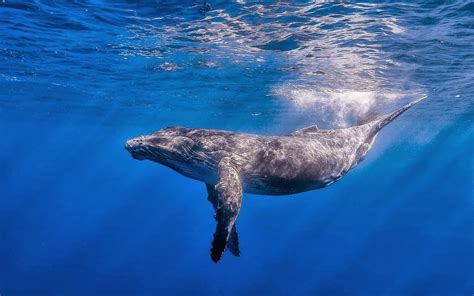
[383, 120]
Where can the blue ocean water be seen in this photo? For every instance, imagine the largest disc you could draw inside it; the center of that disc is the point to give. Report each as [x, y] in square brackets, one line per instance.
[79, 216]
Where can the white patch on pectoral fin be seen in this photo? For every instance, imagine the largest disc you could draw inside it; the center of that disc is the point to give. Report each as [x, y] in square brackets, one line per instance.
[226, 198]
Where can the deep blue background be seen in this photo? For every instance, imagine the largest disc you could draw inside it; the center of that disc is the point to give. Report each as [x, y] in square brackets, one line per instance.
[79, 216]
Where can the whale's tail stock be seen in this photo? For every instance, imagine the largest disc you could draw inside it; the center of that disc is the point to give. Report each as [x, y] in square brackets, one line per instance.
[382, 120]
[386, 119]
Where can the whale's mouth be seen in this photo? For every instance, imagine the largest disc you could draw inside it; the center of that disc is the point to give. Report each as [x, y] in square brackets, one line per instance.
[134, 148]
[137, 156]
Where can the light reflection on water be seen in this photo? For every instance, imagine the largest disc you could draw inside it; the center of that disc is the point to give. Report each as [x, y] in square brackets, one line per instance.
[337, 65]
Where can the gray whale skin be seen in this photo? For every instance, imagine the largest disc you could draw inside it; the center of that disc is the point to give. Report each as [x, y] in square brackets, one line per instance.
[230, 163]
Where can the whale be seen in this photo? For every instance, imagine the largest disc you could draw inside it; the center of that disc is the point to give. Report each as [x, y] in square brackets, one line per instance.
[231, 163]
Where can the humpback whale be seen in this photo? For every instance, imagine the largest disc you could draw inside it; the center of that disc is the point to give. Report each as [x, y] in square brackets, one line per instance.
[231, 163]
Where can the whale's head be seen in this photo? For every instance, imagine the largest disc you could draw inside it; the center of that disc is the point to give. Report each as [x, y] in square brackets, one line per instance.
[170, 146]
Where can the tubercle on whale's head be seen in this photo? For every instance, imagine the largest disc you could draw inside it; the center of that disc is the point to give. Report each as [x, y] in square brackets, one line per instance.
[165, 146]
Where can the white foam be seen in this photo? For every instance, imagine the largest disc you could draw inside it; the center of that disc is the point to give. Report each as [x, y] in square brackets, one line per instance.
[339, 107]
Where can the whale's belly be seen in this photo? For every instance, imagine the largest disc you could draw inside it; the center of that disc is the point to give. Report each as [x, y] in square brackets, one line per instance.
[268, 184]
[279, 186]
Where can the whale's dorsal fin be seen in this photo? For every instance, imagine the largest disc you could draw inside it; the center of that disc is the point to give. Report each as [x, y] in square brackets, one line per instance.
[226, 197]
[306, 130]
[368, 117]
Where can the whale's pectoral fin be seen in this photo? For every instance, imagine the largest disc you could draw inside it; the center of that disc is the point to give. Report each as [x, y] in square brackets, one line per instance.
[233, 242]
[226, 197]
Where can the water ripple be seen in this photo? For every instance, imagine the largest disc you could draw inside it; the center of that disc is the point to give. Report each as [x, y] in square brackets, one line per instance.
[326, 61]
